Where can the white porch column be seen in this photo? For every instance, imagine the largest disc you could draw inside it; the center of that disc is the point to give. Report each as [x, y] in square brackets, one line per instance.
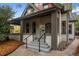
[67, 27]
[60, 26]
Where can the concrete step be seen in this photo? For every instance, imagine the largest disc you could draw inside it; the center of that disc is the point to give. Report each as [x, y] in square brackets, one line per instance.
[35, 45]
[44, 45]
[42, 40]
[37, 48]
[36, 42]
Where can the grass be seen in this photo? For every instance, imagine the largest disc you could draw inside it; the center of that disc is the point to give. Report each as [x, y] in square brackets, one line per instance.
[9, 46]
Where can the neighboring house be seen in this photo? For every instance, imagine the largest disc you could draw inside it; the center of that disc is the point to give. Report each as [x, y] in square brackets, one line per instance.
[14, 29]
[48, 22]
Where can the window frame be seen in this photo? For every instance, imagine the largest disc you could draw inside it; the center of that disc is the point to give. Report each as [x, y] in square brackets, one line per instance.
[63, 27]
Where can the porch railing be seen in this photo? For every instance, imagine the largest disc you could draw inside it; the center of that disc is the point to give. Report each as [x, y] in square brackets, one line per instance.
[26, 39]
[44, 34]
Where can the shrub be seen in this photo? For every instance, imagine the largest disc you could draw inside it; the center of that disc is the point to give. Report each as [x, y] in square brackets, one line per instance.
[5, 14]
[2, 37]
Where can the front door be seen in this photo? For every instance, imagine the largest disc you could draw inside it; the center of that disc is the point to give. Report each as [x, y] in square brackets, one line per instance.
[48, 28]
[42, 31]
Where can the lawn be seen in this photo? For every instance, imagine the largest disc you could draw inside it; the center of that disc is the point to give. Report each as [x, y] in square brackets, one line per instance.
[9, 46]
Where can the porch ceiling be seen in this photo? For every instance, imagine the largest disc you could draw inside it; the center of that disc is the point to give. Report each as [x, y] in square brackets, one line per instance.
[15, 22]
[35, 14]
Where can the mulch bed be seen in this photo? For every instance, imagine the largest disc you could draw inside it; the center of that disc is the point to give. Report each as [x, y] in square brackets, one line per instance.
[9, 46]
[77, 51]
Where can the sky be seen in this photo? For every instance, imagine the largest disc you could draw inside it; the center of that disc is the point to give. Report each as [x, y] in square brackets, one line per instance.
[76, 8]
[18, 8]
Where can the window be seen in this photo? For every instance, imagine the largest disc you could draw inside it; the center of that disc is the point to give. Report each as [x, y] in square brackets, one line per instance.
[39, 6]
[33, 27]
[27, 27]
[63, 27]
[45, 6]
[48, 28]
[70, 28]
[31, 10]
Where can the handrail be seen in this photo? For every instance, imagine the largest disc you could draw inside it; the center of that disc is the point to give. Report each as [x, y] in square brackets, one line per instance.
[27, 36]
[26, 39]
[40, 38]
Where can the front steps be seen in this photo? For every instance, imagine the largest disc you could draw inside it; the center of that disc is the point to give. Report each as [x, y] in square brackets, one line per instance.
[43, 46]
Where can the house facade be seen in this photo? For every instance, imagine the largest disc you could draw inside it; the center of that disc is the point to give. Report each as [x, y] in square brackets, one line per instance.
[14, 29]
[47, 25]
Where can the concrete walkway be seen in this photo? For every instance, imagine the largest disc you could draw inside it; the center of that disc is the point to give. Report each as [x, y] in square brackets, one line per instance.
[22, 51]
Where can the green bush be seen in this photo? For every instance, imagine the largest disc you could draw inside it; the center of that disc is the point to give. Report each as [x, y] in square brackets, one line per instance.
[3, 37]
[6, 13]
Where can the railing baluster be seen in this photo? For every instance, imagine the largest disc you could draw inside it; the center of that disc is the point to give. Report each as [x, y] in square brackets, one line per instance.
[33, 36]
[26, 42]
[39, 45]
[39, 40]
[44, 37]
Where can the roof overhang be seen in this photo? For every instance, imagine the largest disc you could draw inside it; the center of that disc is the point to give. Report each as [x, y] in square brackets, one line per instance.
[72, 20]
[39, 13]
[35, 14]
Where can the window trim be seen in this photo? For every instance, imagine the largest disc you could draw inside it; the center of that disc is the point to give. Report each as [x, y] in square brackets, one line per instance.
[63, 28]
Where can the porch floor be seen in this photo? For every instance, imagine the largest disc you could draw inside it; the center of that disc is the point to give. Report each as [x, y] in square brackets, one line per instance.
[22, 51]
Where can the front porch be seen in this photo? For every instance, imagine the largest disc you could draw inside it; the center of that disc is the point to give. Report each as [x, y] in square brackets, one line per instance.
[37, 28]
[43, 29]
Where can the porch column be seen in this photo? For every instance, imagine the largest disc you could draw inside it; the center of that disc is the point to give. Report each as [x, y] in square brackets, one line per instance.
[54, 27]
[21, 30]
[67, 27]
[59, 26]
